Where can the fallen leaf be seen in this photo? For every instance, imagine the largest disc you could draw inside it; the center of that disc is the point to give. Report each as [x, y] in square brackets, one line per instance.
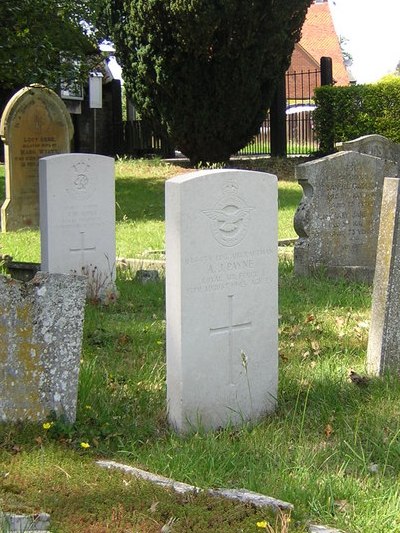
[153, 507]
[315, 347]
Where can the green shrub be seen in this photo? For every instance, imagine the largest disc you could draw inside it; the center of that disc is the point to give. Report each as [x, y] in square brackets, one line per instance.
[345, 113]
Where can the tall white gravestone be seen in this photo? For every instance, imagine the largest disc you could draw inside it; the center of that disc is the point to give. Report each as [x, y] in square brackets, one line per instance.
[77, 217]
[222, 297]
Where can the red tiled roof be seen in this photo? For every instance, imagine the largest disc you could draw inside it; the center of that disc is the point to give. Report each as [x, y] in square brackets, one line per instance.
[319, 39]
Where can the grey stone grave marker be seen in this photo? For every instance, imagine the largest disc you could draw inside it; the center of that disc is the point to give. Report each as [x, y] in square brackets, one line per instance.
[376, 145]
[383, 351]
[221, 278]
[338, 217]
[40, 346]
[35, 123]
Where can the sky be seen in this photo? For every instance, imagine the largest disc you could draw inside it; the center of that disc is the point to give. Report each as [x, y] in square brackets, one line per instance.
[373, 33]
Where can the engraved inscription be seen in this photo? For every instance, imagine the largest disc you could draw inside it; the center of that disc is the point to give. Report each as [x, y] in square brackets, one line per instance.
[229, 271]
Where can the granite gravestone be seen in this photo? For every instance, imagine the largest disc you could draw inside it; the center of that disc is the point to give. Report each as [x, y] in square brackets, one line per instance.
[222, 296]
[77, 218]
[338, 217]
[376, 145]
[35, 123]
[384, 337]
[40, 346]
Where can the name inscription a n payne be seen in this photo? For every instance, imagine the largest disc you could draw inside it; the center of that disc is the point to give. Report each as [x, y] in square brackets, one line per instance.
[82, 249]
[230, 329]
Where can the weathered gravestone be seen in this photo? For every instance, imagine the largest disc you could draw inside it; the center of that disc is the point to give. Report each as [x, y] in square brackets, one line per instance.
[40, 346]
[384, 337]
[35, 123]
[376, 145]
[221, 278]
[338, 217]
[77, 218]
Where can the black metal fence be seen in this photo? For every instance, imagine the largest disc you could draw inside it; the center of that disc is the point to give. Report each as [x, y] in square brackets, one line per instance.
[300, 133]
[301, 139]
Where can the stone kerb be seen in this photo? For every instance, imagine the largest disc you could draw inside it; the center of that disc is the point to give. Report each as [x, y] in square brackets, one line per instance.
[221, 282]
[337, 219]
[40, 346]
[376, 145]
[35, 123]
[383, 353]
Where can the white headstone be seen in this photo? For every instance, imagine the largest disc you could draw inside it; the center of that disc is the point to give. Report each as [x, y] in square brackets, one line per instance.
[77, 218]
[222, 297]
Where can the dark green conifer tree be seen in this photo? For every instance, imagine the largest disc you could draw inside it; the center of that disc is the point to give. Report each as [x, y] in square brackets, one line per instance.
[204, 71]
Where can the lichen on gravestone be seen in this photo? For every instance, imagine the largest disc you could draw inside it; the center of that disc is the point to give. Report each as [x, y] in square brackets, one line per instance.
[41, 324]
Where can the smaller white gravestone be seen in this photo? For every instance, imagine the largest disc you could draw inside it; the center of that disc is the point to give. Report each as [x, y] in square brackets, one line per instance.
[384, 337]
[77, 218]
[222, 298]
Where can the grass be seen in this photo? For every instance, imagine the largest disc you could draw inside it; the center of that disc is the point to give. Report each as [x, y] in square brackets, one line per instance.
[331, 448]
[140, 207]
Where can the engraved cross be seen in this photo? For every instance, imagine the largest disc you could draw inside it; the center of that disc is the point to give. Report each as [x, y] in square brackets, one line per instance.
[230, 329]
[83, 248]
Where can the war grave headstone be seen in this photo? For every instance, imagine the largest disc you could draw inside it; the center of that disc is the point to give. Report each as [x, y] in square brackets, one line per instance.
[383, 351]
[77, 218]
[221, 299]
[35, 123]
[337, 219]
[40, 346]
[376, 145]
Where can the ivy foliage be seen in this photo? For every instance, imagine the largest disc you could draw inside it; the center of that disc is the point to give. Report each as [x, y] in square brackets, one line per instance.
[345, 113]
[204, 71]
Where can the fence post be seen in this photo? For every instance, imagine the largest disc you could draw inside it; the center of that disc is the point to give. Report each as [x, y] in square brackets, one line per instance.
[326, 71]
[278, 120]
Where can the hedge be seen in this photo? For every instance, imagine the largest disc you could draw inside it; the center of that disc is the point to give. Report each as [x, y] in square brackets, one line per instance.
[345, 113]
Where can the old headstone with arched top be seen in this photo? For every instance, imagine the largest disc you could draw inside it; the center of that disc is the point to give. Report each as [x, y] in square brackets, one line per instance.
[35, 123]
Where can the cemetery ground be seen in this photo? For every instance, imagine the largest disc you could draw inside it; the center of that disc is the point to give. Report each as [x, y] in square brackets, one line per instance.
[332, 448]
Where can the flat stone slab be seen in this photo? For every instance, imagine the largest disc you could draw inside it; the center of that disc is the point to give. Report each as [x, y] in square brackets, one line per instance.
[240, 495]
[314, 528]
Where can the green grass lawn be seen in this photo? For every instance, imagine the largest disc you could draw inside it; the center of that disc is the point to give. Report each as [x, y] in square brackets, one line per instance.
[140, 209]
[331, 448]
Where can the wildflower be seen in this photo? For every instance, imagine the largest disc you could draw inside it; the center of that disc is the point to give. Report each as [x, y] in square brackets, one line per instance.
[263, 524]
[47, 425]
[88, 407]
[85, 445]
